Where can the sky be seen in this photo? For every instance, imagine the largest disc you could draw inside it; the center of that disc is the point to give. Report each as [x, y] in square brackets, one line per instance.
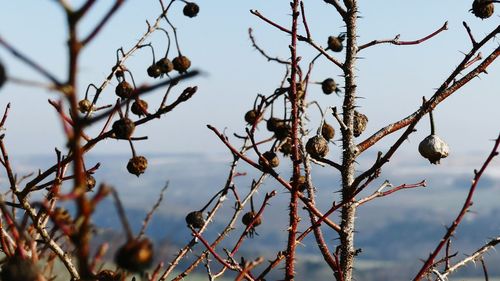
[392, 79]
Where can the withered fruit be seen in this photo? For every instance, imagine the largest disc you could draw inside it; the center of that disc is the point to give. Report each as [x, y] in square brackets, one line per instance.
[181, 63]
[327, 131]
[108, 275]
[90, 182]
[84, 106]
[251, 116]
[61, 216]
[165, 65]
[270, 158]
[124, 90]
[360, 122]
[191, 9]
[123, 128]
[3, 75]
[249, 217]
[329, 86]
[17, 268]
[433, 148]
[139, 107]
[136, 255]
[483, 8]
[302, 183]
[137, 165]
[273, 123]
[335, 43]
[286, 147]
[195, 219]
[317, 147]
[282, 131]
[154, 71]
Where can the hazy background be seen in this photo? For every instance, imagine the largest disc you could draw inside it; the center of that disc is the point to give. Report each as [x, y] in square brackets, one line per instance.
[394, 232]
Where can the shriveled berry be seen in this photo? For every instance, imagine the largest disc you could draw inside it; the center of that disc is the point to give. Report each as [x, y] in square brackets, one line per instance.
[251, 116]
[136, 255]
[137, 165]
[17, 268]
[165, 65]
[360, 122]
[483, 8]
[90, 182]
[269, 158]
[154, 71]
[181, 63]
[282, 131]
[124, 90]
[286, 147]
[335, 43]
[329, 86]
[139, 107]
[3, 75]
[249, 217]
[195, 219]
[191, 9]
[302, 183]
[327, 131]
[273, 123]
[433, 148]
[84, 106]
[317, 147]
[123, 128]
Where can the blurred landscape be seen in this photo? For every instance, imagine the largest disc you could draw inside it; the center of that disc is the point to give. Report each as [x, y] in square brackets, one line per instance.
[394, 233]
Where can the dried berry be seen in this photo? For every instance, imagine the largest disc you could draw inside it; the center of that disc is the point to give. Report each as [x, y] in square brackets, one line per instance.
[3, 75]
[123, 128]
[317, 147]
[136, 255]
[17, 268]
[61, 216]
[119, 71]
[249, 217]
[335, 43]
[302, 183]
[483, 8]
[251, 116]
[84, 105]
[124, 90]
[269, 158]
[165, 65]
[139, 107]
[195, 219]
[191, 9]
[273, 123]
[181, 63]
[90, 182]
[108, 275]
[327, 131]
[329, 86]
[137, 165]
[282, 131]
[433, 148]
[154, 71]
[286, 147]
[360, 122]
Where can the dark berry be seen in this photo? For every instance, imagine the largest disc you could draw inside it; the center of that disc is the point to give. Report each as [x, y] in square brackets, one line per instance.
[165, 65]
[483, 8]
[154, 71]
[317, 147]
[124, 90]
[90, 182]
[286, 147]
[329, 86]
[282, 131]
[181, 63]
[249, 217]
[123, 128]
[139, 107]
[191, 9]
[360, 122]
[269, 158]
[195, 219]
[251, 116]
[136, 255]
[273, 123]
[108, 275]
[327, 131]
[137, 165]
[335, 43]
[84, 105]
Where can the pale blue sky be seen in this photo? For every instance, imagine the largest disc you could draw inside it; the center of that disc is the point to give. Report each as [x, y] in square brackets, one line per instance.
[392, 79]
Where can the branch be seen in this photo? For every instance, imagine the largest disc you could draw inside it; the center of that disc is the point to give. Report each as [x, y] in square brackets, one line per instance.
[396, 41]
[102, 23]
[381, 193]
[269, 58]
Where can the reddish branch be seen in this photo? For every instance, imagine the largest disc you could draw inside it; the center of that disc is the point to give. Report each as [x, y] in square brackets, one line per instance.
[468, 202]
[396, 40]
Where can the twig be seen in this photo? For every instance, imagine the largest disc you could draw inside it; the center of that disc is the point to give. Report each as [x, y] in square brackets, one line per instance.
[149, 216]
[269, 58]
[381, 193]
